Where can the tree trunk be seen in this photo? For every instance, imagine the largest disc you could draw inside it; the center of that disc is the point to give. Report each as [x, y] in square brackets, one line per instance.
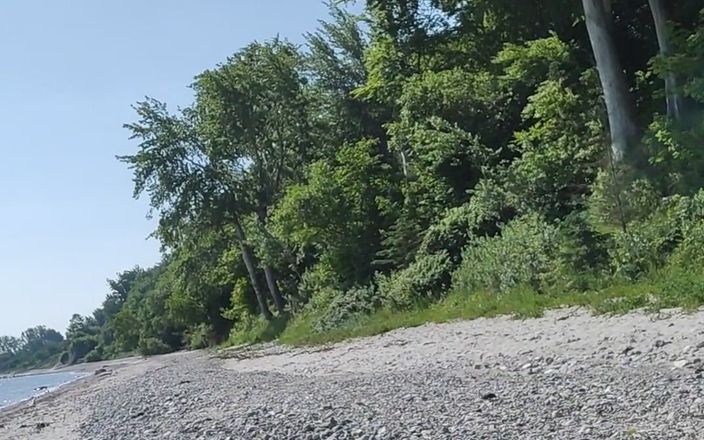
[274, 288]
[249, 262]
[619, 106]
[269, 271]
[673, 98]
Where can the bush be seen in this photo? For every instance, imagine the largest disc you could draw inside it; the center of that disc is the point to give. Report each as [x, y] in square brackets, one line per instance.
[96, 355]
[319, 278]
[153, 346]
[640, 249]
[560, 147]
[620, 199]
[426, 279]
[529, 252]
[344, 307]
[675, 151]
[690, 251]
[520, 255]
[81, 346]
[647, 244]
[254, 329]
[478, 217]
[678, 287]
[200, 336]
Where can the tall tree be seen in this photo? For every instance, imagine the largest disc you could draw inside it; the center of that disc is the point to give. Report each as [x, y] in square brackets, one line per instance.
[188, 181]
[673, 97]
[255, 110]
[619, 103]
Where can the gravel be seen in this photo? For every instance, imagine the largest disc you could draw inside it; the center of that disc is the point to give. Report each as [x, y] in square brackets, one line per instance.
[568, 375]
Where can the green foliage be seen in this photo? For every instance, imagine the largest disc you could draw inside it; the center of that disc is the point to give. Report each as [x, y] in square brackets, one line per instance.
[340, 308]
[95, 355]
[241, 305]
[689, 253]
[81, 346]
[560, 150]
[255, 329]
[521, 255]
[479, 217]
[618, 198]
[318, 279]
[357, 174]
[675, 151]
[37, 347]
[647, 245]
[151, 346]
[200, 336]
[336, 214]
[426, 279]
[530, 252]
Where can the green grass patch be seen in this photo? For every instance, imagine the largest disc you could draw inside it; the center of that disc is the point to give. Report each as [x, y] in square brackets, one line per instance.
[663, 289]
[257, 330]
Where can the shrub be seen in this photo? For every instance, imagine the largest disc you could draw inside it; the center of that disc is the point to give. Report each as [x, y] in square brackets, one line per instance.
[319, 278]
[690, 251]
[254, 329]
[520, 255]
[242, 302]
[153, 346]
[530, 252]
[81, 346]
[680, 287]
[95, 355]
[620, 199]
[477, 217]
[200, 336]
[560, 147]
[675, 151]
[427, 278]
[342, 307]
[647, 244]
[640, 249]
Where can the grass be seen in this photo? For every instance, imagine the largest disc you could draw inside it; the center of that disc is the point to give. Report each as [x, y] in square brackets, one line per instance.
[666, 288]
[258, 330]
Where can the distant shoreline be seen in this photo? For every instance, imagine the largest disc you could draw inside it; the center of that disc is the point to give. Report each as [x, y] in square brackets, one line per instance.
[29, 401]
[87, 375]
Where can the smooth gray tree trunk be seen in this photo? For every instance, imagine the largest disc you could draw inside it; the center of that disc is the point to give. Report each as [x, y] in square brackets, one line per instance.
[274, 288]
[619, 105]
[672, 95]
[250, 263]
[269, 272]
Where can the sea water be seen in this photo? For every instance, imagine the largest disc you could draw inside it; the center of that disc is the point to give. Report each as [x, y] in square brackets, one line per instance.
[19, 388]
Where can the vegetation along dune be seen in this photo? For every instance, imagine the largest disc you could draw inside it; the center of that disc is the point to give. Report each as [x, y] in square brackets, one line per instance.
[432, 220]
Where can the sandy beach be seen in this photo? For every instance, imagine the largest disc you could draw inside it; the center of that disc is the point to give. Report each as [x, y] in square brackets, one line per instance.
[568, 375]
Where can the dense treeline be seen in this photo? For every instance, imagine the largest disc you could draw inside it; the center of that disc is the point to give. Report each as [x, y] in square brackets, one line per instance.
[426, 149]
[36, 347]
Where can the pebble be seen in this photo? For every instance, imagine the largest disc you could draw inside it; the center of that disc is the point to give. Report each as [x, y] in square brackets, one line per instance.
[428, 388]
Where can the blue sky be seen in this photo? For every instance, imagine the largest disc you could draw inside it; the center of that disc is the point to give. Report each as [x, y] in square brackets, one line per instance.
[70, 71]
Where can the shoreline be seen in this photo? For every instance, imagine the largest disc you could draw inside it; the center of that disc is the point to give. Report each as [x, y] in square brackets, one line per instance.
[50, 390]
[84, 372]
[551, 377]
[50, 393]
[58, 413]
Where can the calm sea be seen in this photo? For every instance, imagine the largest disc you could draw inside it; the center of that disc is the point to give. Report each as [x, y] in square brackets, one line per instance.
[17, 389]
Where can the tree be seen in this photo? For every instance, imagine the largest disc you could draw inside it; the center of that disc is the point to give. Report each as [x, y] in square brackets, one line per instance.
[619, 104]
[190, 182]
[673, 97]
[9, 344]
[254, 109]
